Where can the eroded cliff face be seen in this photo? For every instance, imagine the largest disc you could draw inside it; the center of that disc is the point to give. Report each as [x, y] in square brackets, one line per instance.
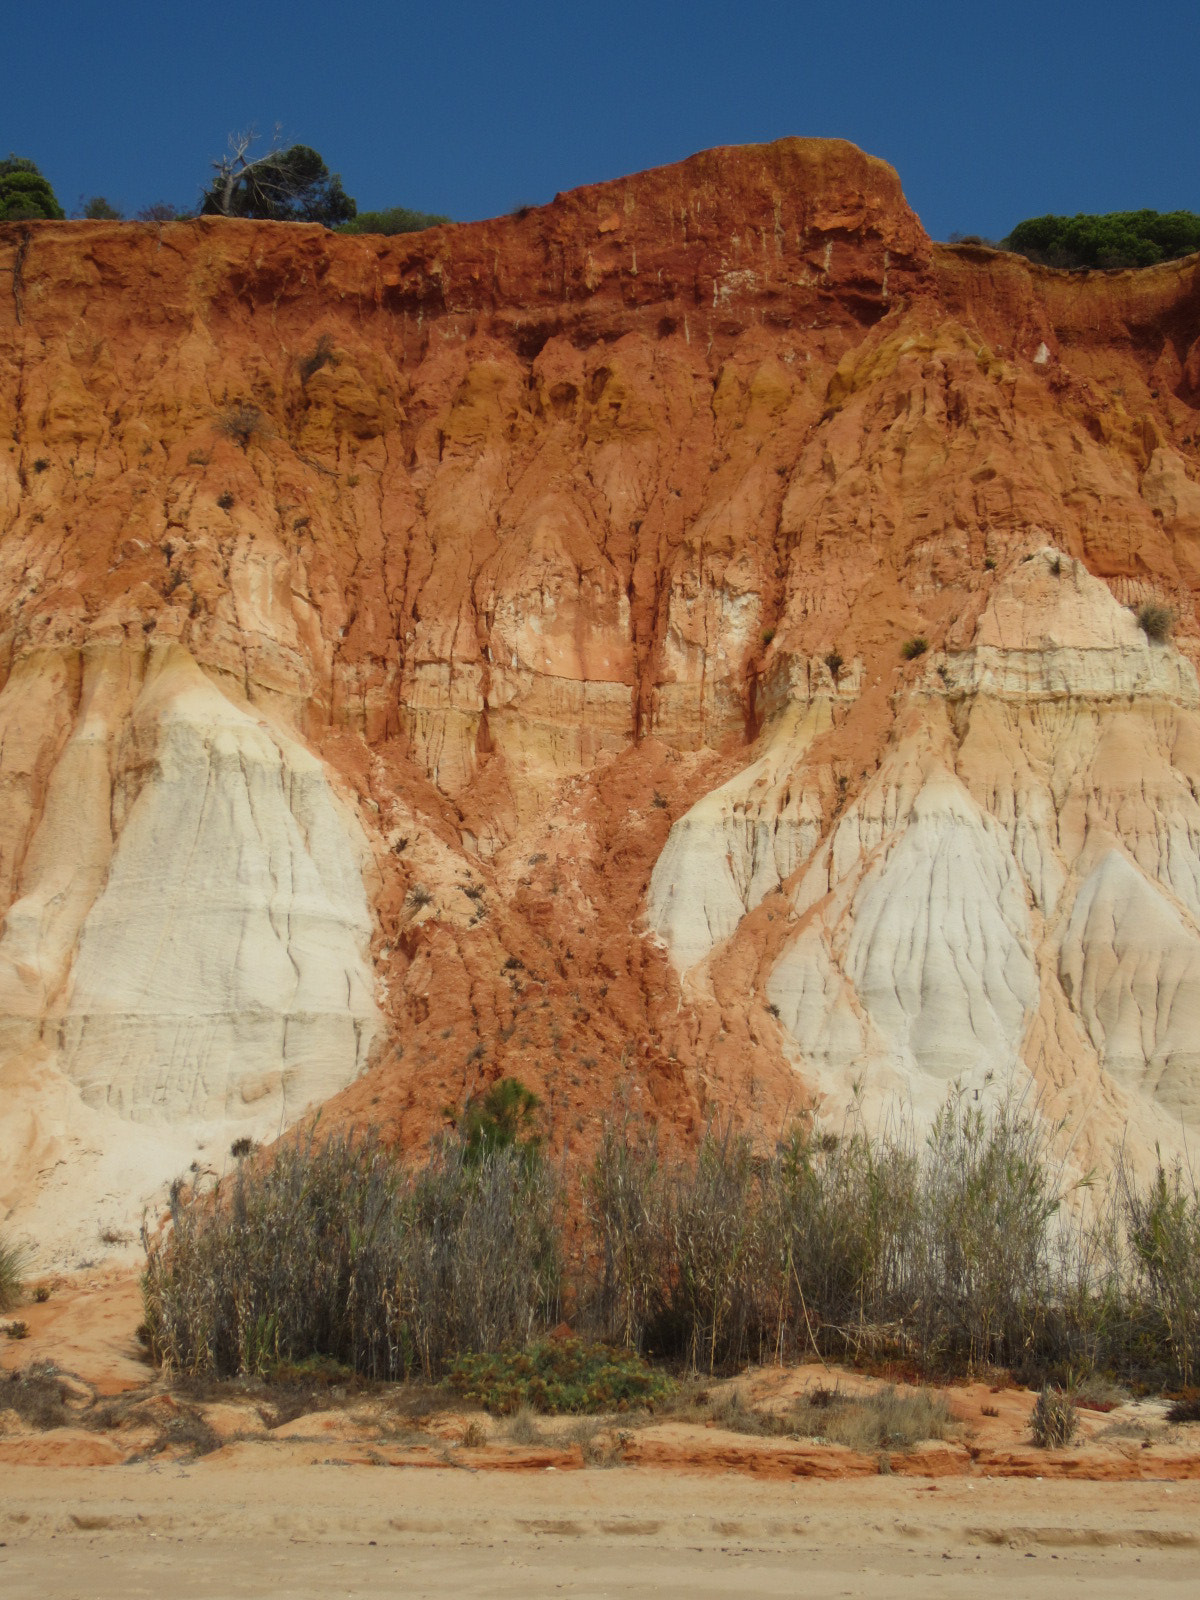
[480, 652]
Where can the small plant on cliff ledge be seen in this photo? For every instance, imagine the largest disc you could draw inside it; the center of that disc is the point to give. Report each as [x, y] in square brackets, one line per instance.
[321, 355]
[241, 423]
[1155, 620]
[912, 648]
[835, 663]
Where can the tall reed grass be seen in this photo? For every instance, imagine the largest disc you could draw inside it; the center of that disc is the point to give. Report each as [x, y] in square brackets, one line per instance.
[963, 1250]
[336, 1250]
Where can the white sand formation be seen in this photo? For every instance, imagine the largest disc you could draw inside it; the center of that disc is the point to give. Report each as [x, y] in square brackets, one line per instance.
[1012, 899]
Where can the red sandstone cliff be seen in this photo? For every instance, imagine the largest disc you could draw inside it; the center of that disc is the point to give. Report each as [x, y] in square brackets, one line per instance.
[479, 652]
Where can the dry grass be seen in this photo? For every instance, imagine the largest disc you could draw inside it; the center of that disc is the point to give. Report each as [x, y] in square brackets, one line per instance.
[885, 1419]
[600, 1446]
[241, 423]
[38, 1396]
[1054, 1420]
[523, 1427]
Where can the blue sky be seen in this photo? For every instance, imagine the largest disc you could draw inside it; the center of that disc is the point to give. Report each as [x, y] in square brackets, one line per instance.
[989, 113]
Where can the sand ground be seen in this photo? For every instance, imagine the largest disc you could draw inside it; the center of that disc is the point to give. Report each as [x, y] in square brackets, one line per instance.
[110, 1499]
[328, 1531]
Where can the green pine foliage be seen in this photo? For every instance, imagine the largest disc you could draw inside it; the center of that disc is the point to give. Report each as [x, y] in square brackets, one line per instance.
[25, 196]
[98, 209]
[292, 185]
[504, 1118]
[1115, 239]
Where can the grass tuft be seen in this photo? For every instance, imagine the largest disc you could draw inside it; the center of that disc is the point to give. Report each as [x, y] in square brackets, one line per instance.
[886, 1419]
[13, 1261]
[1055, 1419]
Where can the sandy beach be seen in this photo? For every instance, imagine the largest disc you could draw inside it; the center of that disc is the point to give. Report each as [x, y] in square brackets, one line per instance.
[130, 1486]
[203, 1532]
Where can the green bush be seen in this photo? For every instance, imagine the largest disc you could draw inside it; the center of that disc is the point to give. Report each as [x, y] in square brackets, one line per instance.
[882, 1420]
[912, 648]
[503, 1118]
[97, 209]
[1114, 239]
[557, 1375]
[395, 219]
[25, 196]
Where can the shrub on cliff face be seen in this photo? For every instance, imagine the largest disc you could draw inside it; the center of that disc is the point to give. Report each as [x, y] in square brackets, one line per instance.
[25, 196]
[242, 423]
[502, 1118]
[1115, 239]
[1155, 620]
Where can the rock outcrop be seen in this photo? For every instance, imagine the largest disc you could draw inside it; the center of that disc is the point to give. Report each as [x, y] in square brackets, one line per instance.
[483, 652]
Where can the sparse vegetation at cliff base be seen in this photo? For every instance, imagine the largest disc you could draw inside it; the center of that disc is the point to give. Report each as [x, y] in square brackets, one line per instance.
[955, 1254]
